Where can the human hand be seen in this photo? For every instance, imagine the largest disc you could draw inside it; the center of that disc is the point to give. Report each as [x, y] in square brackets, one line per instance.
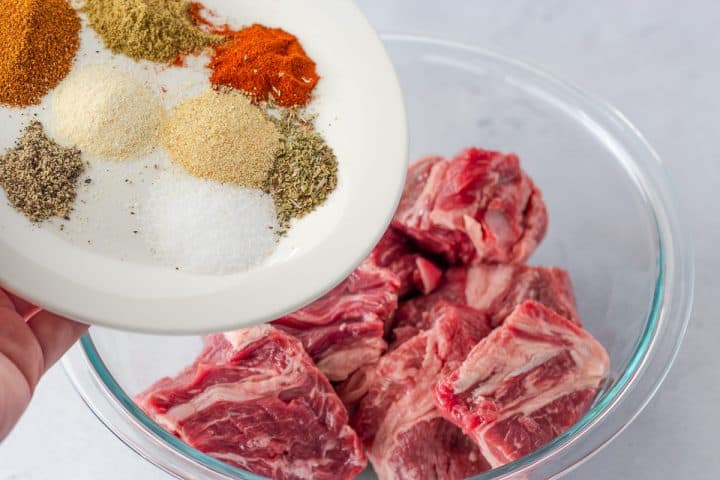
[31, 340]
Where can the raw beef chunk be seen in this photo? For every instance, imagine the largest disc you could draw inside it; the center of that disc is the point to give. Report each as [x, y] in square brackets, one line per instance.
[420, 187]
[403, 432]
[352, 390]
[254, 399]
[524, 384]
[498, 289]
[343, 330]
[479, 205]
[416, 273]
[494, 290]
[414, 316]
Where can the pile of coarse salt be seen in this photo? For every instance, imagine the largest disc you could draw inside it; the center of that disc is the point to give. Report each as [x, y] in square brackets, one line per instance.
[205, 227]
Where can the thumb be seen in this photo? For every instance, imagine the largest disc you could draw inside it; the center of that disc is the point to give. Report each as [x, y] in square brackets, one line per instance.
[53, 333]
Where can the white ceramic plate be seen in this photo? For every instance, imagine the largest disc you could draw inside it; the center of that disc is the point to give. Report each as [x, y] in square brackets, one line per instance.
[96, 270]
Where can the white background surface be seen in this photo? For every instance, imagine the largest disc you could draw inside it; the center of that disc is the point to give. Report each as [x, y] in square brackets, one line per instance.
[656, 60]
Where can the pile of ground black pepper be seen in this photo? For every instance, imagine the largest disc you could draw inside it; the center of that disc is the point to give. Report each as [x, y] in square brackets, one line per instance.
[39, 176]
[305, 170]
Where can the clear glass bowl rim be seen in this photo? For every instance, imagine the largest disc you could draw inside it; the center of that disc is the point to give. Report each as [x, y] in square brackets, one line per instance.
[655, 351]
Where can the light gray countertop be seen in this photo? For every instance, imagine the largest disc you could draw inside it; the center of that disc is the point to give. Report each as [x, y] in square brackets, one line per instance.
[658, 61]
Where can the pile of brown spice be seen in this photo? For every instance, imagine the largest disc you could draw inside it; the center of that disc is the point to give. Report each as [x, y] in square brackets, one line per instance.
[39, 176]
[38, 42]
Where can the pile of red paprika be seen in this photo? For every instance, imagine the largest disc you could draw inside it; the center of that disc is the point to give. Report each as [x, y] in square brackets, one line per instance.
[266, 63]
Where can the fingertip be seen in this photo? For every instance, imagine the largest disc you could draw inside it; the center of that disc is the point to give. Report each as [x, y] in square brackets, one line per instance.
[55, 334]
[19, 345]
[5, 300]
[23, 307]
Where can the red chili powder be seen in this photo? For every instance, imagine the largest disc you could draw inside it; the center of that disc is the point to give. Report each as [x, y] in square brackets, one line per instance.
[263, 62]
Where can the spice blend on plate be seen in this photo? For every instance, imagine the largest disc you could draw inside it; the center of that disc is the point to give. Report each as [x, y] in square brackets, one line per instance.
[39, 176]
[38, 42]
[220, 135]
[155, 30]
[252, 158]
[266, 63]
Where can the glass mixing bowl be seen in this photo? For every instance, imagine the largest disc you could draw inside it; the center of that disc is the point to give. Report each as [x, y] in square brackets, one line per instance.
[613, 225]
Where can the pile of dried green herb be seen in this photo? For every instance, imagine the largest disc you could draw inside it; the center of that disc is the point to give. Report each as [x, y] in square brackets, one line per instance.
[155, 30]
[39, 176]
[305, 170]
